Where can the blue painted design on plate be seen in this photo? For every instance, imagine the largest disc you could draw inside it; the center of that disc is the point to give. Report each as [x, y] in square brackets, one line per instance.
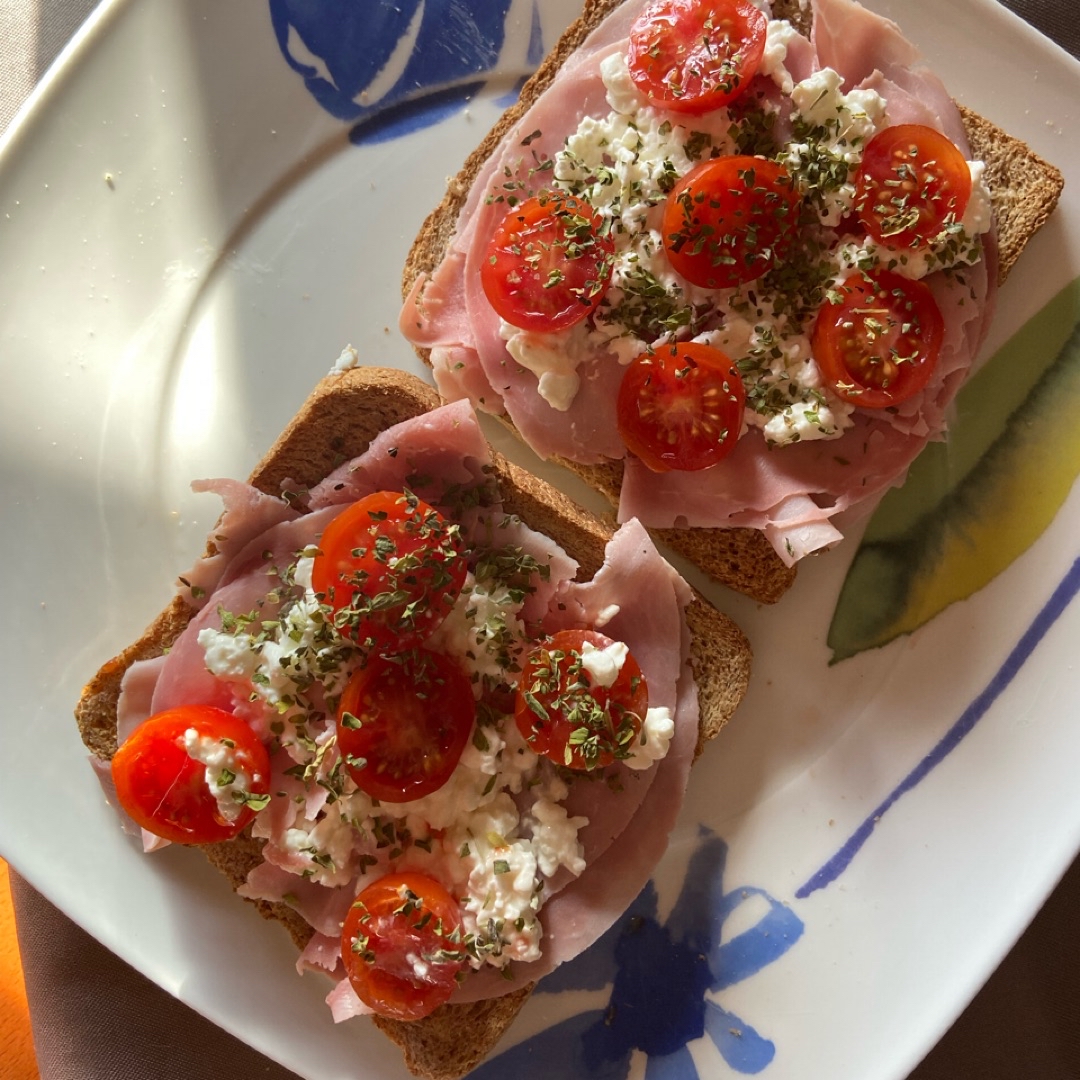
[1059, 600]
[659, 977]
[397, 120]
[389, 69]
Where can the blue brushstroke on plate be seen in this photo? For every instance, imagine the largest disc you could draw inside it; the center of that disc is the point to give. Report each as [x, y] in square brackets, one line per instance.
[408, 116]
[389, 69]
[1059, 600]
[659, 975]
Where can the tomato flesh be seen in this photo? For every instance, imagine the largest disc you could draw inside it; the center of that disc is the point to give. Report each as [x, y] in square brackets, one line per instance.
[567, 716]
[391, 568]
[912, 182]
[729, 220]
[401, 945]
[694, 56]
[403, 722]
[681, 407]
[877, 343]
[164, 789]
[548, 264]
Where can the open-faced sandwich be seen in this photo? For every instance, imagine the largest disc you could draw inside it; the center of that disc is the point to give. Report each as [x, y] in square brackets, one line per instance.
[421, 709]
[730, 263]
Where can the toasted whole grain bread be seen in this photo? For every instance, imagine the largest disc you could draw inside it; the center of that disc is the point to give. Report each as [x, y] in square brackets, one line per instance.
[1024, 190]
[337, 422]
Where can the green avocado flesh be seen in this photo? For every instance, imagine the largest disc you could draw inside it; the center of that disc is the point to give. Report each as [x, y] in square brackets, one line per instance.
[973, 504]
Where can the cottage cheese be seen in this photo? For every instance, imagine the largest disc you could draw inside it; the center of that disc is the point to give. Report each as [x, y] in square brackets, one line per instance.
[604, 665]
[224, 776]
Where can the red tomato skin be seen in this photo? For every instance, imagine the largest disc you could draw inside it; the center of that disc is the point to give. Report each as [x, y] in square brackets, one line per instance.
[414, 529]
[910, 171]
[528, 250]
[681, 407]
[729, 220]
[628, 696]
[673, 41]
[376, 944]
[839, 339]
[164, 790]
[416, 711]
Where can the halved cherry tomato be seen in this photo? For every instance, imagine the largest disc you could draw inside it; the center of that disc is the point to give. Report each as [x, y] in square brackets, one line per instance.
[401, 945]
[164, 789]
[694, 56]
[566, 715]
[877, 345]
[391, 567]
[681, 407]
[403, 722]
[548, 264]
[729, 220]
[911, 182]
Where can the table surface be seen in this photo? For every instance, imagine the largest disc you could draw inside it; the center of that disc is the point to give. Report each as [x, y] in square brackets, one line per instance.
[1023, 1024]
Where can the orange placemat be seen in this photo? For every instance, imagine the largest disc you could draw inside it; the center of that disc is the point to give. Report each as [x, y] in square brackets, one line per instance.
[15, 1037]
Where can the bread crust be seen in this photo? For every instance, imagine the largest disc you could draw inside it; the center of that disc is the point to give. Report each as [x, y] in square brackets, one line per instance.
[337, 423]
[1024, 190]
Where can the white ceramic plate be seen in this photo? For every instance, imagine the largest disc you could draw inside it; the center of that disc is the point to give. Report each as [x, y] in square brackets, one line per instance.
[187, 240]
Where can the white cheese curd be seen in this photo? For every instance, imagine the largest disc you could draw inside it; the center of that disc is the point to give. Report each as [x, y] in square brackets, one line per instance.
[787, 398]
[834, 129]
[604, 665]
[626, 162]
[779, 36]
[553, 358]
[327, 844]
[229, 656]
[502, 897]
[605, 615]
[979, 214]
[804, 420]
[555, 837]
[622, 93]
[654, 739]
[225, 778]
[482, 631]
[347, 358]
[276, 666]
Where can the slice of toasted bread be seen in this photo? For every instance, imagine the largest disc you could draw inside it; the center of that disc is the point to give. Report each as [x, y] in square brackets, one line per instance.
[337, 422]
[1024, 190]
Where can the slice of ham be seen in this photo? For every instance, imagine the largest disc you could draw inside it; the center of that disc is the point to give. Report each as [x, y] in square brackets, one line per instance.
[247, 513]
[434, 455]
[791, 493]
[322, 953]
[137, 687]
[344, 1004]
[324, 909]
